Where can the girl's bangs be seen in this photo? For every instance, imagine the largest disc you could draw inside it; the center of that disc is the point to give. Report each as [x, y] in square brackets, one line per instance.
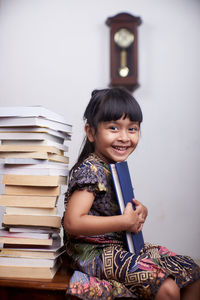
[113, 109]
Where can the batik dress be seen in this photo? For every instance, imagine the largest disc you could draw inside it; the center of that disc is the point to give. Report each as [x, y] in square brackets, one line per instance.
[103, 267]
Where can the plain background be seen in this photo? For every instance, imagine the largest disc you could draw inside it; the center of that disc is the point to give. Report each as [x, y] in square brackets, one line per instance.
[55, 52]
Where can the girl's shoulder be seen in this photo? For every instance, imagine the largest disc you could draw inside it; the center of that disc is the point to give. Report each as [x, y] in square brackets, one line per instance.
[93, 164]
[92, 171]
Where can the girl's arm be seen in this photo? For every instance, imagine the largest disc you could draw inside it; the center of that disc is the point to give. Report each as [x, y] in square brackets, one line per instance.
[78, 222]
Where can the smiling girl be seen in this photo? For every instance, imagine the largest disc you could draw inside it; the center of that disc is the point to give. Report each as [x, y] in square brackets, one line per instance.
[94, 228]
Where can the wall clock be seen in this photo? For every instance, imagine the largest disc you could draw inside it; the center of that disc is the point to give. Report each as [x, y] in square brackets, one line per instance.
[124, 50]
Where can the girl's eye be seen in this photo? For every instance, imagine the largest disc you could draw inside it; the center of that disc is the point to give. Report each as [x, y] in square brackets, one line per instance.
[114, 128]
[132, 129]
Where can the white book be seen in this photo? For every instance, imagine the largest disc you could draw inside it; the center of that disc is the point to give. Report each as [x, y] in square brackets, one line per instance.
[35, 171]
[26, 161]
[34, 121]
[50, 165]
[33, 129]
[54, 232]
[34, 235]
[31, 111]
[34, 155]
[30, 136]
[26, 262]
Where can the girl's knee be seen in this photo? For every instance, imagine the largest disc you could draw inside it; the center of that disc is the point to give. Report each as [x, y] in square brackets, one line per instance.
[168, 290]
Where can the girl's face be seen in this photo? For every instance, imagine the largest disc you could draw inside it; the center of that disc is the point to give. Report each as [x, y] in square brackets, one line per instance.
[114, 140]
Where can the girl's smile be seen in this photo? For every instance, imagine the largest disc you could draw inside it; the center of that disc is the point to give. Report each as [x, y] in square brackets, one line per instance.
[114, 141]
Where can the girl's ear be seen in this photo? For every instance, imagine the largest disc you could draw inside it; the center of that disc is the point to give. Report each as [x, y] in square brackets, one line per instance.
[89, 132]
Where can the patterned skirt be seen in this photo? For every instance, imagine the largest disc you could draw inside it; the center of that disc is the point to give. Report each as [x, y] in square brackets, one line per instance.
[117, 273]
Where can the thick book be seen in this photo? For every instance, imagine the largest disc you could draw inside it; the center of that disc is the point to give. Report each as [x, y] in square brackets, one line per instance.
[62, 147]
[8, 156]
[31, 111]
[27, 170]
[30, 136]
[33, 129]
[34, 121]
[26, 241]
[32, 220]
[31, 211]
[31, 148]
[29, 272]
[124, 191]
[33, 253]
[28, 201]
[26, 262]
[32, 190]
[36, 235]
[34, 180]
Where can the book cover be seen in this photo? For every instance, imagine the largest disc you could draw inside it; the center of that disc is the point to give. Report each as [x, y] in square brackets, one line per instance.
[124, 191]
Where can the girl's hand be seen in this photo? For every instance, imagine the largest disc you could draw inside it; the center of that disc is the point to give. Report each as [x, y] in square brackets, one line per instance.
[133, 218]
[143, 212]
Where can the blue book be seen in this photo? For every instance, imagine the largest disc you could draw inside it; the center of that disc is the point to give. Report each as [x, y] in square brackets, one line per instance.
[124, 191]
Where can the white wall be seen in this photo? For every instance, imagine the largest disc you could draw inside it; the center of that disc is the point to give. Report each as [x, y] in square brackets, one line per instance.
[55, 52]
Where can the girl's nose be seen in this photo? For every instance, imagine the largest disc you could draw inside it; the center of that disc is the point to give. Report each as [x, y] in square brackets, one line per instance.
[124, 136]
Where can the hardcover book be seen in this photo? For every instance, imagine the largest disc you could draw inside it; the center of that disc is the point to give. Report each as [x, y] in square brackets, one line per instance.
[124, 191]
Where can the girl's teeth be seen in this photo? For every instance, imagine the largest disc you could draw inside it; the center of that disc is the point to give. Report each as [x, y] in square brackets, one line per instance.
[120, 148]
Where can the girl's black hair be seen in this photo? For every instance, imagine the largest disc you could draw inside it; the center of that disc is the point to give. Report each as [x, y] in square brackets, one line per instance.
[108, 105]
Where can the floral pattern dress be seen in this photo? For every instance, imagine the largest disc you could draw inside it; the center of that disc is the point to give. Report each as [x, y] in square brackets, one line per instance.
[103, 268]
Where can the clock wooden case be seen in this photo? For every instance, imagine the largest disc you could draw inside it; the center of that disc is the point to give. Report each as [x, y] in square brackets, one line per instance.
[124, 50]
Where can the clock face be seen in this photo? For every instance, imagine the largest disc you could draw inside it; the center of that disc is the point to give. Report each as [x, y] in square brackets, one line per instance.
[124, 38]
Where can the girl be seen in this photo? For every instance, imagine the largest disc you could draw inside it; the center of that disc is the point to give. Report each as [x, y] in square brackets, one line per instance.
[94, 228]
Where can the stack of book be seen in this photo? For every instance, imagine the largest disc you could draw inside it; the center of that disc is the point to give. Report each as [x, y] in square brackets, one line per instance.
[34, 171]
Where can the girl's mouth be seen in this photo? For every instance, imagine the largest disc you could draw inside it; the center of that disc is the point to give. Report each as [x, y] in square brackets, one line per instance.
[120, 148]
